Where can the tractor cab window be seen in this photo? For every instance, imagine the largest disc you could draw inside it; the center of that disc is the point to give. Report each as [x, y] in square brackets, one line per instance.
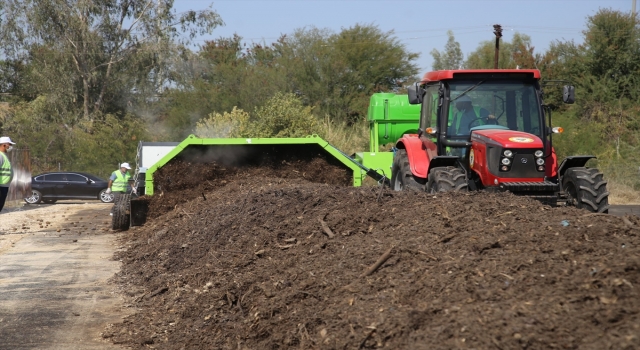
[492, 104]
[429, 110]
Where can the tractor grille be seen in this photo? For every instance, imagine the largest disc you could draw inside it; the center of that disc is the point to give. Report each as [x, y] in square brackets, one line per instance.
[523, 163]
[528, 187]
[546, 192]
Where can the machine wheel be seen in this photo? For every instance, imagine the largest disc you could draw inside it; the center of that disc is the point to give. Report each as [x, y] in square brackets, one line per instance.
[446, 179]
[586, 189]
[35, 198]
[121, 208]
[105, 197]
[401, 176]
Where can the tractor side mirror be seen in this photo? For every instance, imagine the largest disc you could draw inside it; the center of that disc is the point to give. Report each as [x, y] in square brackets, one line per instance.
[568, 94]
[415, 93]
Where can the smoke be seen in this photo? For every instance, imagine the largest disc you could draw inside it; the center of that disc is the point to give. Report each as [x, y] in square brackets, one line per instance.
[20, 186]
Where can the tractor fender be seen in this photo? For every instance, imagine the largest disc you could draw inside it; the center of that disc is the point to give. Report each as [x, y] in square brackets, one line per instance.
[572, 162]
[418, 160]
[442, 161]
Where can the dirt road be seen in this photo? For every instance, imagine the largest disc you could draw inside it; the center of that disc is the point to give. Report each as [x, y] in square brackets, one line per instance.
[55, 262]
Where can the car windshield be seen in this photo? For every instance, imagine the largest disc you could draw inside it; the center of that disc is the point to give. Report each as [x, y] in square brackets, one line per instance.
[512, 105]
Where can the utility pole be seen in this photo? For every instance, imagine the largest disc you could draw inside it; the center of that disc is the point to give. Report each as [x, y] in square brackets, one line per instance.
[497, 30]
[633, 7]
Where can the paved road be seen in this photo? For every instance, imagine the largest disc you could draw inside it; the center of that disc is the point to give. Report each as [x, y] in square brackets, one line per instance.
[53, 288]
[22, 206]
[621, 210]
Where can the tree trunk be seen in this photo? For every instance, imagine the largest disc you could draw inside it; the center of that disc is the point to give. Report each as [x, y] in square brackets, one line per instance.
[85, 84]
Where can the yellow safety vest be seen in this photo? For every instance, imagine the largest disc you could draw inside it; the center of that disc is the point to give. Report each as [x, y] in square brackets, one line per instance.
[476, 110]
[5, 170]
[121, 181]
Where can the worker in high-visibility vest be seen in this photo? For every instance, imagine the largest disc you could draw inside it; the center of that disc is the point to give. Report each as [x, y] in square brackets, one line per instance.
[120, 182]
[469, 116]
[6, 171]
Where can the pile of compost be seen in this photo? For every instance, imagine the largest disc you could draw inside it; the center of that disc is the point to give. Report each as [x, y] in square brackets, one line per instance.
[292, 257]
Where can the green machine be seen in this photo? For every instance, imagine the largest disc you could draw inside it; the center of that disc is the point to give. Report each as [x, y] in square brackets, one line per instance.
[242, 150]
[390, 116]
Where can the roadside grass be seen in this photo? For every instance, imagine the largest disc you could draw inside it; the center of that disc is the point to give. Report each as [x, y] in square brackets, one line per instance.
[622, 194]
[623, 181]
[347, 138]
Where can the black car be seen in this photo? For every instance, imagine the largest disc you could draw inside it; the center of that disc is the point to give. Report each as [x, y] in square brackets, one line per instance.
[49, 187]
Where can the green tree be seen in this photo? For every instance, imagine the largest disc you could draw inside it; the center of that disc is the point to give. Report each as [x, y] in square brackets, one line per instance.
[92, 147]
[605, 121]
[522, 53]
[100, 147]
[221, 76]
[228, 124]
[338, 72]
[451, 57]
[516, 54]
[101, 51]
[607, 74]
[30, 126]
[333, 73]
[283, 115]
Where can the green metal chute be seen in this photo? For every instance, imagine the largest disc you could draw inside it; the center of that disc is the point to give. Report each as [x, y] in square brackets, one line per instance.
[237, 151]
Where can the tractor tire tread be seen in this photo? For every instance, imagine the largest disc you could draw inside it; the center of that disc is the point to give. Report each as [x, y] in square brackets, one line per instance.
[447, 179]
[401, 176]
[121, 219]
[587, 189]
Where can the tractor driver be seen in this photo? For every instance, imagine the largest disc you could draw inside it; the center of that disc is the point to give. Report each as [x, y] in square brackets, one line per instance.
[469, 116]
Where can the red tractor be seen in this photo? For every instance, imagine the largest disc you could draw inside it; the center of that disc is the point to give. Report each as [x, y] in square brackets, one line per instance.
[490, 130]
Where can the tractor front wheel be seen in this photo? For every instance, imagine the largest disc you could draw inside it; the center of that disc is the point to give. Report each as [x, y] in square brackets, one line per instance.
[401, 176]
[586, 189]
[447, 179]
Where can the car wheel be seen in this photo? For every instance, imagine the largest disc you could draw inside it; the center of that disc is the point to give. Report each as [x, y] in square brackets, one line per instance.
[106, 197]
[35, 198]
[49, 201]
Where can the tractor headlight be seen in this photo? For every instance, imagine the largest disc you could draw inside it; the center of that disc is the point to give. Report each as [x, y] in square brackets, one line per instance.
[540, 168]
[507, 153]
[506, 161]
[540, 161]
[538, 153]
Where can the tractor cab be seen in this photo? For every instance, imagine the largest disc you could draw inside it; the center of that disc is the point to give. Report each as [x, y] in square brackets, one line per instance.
[472, 103]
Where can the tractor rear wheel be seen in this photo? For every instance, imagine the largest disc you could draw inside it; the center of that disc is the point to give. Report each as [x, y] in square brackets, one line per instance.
[121, 209]
[586, 189]
[446, 179]
[401, 176]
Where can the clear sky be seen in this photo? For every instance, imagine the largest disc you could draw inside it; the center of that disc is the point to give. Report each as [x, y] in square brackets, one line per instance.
[419, 24]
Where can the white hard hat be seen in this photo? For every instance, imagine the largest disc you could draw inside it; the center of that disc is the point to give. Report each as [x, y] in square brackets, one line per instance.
[125, 165]
[6, 139]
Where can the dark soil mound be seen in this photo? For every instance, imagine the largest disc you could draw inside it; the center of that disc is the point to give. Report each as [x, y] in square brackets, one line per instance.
[243, 259]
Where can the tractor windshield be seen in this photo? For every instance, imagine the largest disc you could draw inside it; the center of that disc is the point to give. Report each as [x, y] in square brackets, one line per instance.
[510, 104]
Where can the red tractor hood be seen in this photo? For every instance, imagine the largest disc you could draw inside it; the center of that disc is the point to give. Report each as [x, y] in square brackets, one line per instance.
[508, 138]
